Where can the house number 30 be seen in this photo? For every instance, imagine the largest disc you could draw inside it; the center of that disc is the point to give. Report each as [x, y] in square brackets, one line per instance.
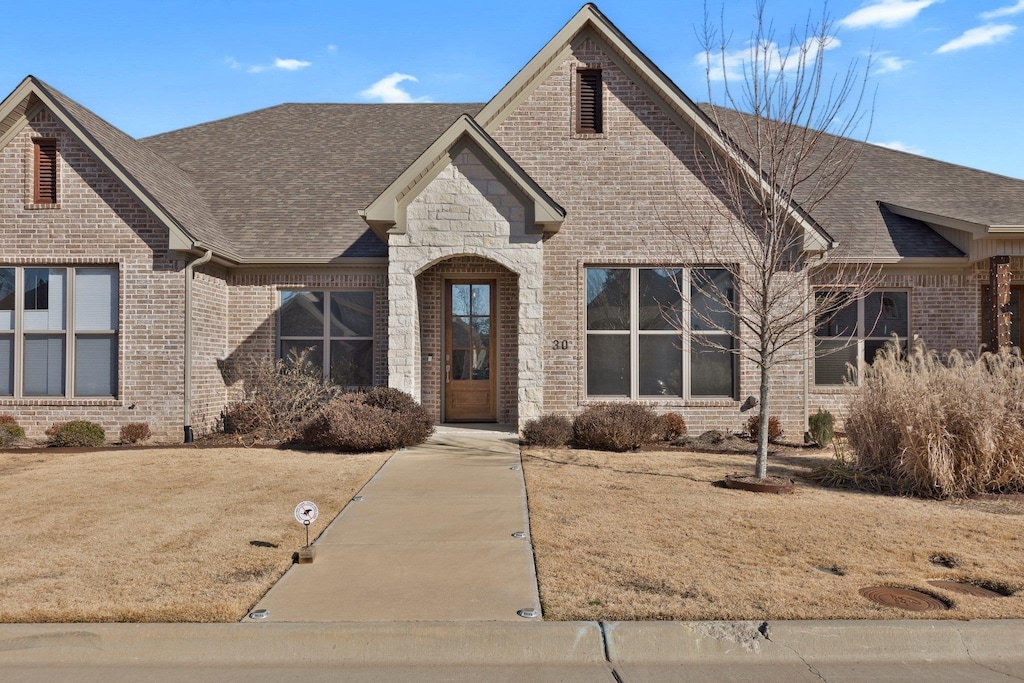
[562, 344]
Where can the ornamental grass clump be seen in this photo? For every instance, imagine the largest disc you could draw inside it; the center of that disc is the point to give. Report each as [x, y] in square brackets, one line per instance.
[941, 428]
[616, 427]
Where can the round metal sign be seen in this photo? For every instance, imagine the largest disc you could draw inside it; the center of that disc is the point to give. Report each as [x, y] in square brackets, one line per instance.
[306, 512]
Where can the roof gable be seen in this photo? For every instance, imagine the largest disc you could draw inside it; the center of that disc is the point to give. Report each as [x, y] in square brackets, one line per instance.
[590, 22]
[386, 214]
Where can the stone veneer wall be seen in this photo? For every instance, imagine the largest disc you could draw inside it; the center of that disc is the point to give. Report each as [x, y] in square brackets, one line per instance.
[630, 194]
[465, 211]
[97, 222]
[254, 299]
[430, 297]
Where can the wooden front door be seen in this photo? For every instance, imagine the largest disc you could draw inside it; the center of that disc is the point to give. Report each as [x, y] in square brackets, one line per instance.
[470, 363]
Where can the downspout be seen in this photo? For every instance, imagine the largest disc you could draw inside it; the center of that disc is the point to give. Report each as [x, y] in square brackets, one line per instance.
[189, 275]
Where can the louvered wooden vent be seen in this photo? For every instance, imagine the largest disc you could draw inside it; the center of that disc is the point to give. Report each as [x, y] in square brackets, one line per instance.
[46, 172]
[589, 114]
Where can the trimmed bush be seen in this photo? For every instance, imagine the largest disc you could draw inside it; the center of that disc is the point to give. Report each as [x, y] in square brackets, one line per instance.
[10, 431]
[940, 428]
[77, 433]
[616, 427]
[774, 428]
[135, 432]
[821, 427]
[547, 430]
[673, 426]
[382, 419]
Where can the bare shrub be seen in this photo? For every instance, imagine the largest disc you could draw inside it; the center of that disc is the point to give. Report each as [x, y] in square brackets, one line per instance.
[673, 426]
[135, 432]
[279, 396]
[77, 433]
[941, 428]
[616, 427]
[362, 422]
[774, 428]
[547, 430]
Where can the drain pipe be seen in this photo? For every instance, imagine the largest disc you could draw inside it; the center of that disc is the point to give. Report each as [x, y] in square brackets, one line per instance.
[189, 275]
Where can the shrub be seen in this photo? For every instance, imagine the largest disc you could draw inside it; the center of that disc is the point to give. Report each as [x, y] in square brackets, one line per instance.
[821, 427]
[941, 428]
[10, 430]
[547, 430]
[774, 427]
[279, 396]
[135, 432]
[76, 433]
[616, 426]
[359, 422]
[673, 426]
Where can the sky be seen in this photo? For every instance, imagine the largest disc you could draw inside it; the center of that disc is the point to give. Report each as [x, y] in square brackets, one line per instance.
[946, 76]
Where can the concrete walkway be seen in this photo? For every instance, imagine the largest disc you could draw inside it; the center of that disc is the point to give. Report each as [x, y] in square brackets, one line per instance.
[430, 540]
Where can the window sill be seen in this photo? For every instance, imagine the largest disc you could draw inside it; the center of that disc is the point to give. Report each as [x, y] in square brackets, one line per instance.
[59, 401]
[590, 136]
[709, 402]
[42, 207]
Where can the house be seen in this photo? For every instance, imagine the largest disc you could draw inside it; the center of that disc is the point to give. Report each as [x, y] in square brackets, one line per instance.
[497, 261]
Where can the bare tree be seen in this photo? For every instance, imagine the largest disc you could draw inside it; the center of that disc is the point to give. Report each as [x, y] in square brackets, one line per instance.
[790, 142]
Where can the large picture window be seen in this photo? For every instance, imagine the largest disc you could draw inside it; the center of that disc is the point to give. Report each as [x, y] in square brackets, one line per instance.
[634, 347]
[336, 330]
[854, 335]
[56, 324]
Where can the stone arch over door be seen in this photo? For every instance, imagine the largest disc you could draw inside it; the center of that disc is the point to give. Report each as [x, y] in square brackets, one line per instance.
[431, 286]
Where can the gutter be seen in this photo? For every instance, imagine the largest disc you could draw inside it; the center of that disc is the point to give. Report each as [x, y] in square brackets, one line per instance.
[189, 275]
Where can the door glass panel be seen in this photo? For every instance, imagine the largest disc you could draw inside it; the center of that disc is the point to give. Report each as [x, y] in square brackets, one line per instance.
[481, 300]
[461, 333]
[481, 331]
[481, 363]
[461, 363]
[461, 299]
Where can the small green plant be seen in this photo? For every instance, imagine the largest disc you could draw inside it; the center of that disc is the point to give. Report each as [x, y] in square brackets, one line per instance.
[673, 426]
[547, 430]
[774, 428]
[78, 433]
[135, 432]
[821, 427]
[10, 431]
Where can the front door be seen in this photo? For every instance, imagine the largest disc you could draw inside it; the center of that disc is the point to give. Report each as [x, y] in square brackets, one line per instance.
[470, 367]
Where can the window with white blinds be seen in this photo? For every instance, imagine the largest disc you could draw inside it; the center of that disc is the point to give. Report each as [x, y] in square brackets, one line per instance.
[56, 325]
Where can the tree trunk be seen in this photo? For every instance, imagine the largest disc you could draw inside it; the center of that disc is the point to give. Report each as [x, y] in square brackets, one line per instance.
[764, 417]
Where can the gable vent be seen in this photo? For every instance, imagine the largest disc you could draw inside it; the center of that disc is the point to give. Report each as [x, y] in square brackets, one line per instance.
[46, 172]
[589, 114]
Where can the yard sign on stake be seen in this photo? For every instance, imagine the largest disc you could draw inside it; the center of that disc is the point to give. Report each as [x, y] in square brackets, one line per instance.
[306, 513]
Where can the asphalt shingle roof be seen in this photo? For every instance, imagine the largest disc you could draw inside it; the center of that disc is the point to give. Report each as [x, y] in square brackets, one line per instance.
[288, 181]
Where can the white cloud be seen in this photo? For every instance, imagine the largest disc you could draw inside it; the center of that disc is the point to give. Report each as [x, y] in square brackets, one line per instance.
[387, 90]
[332, 48]
[290, 64]
[887, 63]
[731, 65]
[233, 63]
[1004, 11]
[886, 13]
[982, 35]
[899, 147]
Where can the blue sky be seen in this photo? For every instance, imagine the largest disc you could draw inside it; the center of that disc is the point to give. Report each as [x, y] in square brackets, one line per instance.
[948, 73]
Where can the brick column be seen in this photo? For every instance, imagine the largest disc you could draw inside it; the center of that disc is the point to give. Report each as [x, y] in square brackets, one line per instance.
[998, 313]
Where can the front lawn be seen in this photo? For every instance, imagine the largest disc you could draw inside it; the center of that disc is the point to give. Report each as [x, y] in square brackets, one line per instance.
[177, 534]
[648, 535]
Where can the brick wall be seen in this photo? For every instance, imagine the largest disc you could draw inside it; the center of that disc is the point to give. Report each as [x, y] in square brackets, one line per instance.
[97, 222]
[209, 347]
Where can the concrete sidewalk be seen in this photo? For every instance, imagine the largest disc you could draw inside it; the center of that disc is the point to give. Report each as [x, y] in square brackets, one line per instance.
[877, 651]
[430, 540]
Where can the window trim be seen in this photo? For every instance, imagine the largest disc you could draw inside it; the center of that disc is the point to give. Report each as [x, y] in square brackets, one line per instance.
[70, 334]
[326, 338]
[862, 337]
[634, 333]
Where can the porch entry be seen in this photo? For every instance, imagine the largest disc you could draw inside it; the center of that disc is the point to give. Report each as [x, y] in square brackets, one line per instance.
[470, 363]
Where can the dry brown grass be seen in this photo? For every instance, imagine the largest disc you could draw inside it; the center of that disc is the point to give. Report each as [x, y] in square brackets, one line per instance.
[158, 534]
[648, 536]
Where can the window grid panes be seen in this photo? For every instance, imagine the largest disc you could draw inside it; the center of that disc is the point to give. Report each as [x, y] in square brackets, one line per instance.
[58, 332]
[849, 340]
[334, 328]
[633, 345]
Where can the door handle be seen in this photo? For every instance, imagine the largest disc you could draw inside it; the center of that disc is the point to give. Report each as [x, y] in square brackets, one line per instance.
[447, 374]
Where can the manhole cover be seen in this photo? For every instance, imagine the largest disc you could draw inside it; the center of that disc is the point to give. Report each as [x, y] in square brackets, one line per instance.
[965, 589]
[903, 598]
